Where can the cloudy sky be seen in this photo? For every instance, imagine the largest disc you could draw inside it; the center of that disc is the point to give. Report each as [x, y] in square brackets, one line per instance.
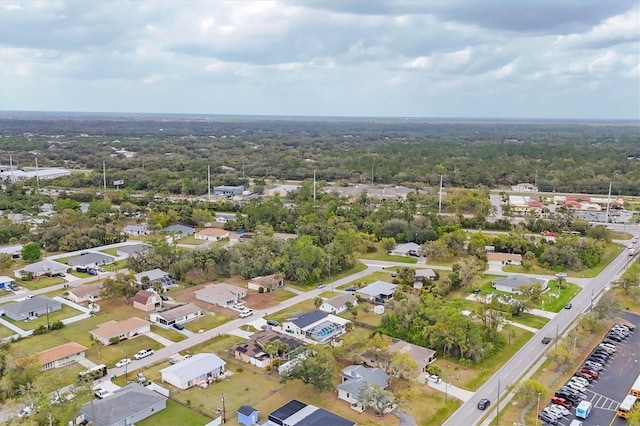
[448, 58]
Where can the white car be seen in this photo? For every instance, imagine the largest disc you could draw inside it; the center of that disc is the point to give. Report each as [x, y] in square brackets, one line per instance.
[245, 314]
[143, 353]
[561, 409]
[102, 393]
[123, 362]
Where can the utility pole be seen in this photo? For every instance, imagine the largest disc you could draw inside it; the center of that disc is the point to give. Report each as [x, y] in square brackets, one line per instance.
[37, 176]
[104, 176]
[372, 173]
[209, 182]
[224, 416]
[606, 219]
[13, 180]
[314, 186]
[440, 197]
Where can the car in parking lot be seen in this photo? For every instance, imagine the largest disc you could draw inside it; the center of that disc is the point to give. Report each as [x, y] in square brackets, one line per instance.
[548, 418]
[553, 411]
[615, 337]
[483, 404]
[583, 376]
[593, 365]
[561, 408]
[561, 401]
[590, 372]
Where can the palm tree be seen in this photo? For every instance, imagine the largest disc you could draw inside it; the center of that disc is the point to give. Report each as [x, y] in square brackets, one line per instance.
[318, 302]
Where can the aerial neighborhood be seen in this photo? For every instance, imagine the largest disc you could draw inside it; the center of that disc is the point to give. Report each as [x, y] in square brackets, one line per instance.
[328, 302]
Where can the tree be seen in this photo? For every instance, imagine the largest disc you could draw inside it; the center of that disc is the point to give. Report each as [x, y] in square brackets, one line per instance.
[607, 307]
[31, 252]
[374, 397]
[630, 279]
[316, 370]
[402, 367]
[275, 347]
[634, 416]
[122, 285]
[317, 302]
[528, 391]
[5, 261]
[561, 355]
[388, 244]
[407, 276]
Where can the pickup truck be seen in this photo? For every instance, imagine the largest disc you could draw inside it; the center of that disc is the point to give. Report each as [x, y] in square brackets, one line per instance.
[143, 353]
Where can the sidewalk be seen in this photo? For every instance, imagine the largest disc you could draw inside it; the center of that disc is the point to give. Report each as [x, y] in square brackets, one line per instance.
[522, 326]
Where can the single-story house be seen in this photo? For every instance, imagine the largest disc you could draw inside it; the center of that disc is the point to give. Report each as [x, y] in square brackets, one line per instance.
[524, 187]
[126, 251]
[247, 416]
[317, 326]
[425, 275]
[377, 291]
[221, 294]
[512, 283]
[6, 282]
[61, 355]
[252, 351]
[146, 301]
[154, 275]
[84, 293]
[136, 230]
[266, 283]
[88, 260]
[126, 406]
[421, 355]
[212, 234]
[44, 267]
[177, 314]
[296, 413]
[199, 370]
[355, 377]
[339, 304]
[280, 190]
[406, 249]
[227, 190]
[14, 251]
[225, 217]
[501, 259]
[125, 329]
[30, 308]
[182, 230]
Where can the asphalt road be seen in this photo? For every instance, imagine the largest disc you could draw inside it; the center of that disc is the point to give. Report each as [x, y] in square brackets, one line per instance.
[509, 374]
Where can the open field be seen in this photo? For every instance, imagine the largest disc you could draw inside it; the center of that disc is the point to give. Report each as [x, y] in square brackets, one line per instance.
[192, 241]
[5, 332]
[389, 258]
[110, 251]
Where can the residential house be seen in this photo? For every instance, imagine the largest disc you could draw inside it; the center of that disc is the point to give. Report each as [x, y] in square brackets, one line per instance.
[317, 326]
[502, 259]
[221, 294]
[30, 308]
[6, 282]
[512, 283]
[146, 301]
[126, 251]
[225, 217]
[357, 377]
[177, 314]
[337, 305]
[90, 260]
[199, 370]
[180, 230]
[421, 355]
[524, 187]
[44, 267]
[212, 234]
[266, 283]
[155, 276]
[61, 355]
[247, 416]
[377, 291]
[296, 413]
[126, 406]
[228, 191]
[426, 275]
[14, 251]
[280, 190]
[407, 249]
[252, 351]
[126, 329]
[85, 293]
[136, 230]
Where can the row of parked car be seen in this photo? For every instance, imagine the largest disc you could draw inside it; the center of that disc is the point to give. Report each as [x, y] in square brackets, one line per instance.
[573, 393]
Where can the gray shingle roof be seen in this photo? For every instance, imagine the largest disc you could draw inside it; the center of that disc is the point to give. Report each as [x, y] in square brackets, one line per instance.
[124, 403]
[377, 288]
[90, 258]
[154, 274]
[195, 366]
[34, 304]
[360, 375]
[515, 281]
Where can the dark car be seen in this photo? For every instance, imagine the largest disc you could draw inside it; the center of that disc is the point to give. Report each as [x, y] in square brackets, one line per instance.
[568, 306]
[273, 323]
[615, 337]
[163, 297]
[546, 340]
[483, 404]
[178, 326]
[350, 289]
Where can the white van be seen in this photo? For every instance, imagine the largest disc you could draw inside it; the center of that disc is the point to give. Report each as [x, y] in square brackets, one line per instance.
[575, 423]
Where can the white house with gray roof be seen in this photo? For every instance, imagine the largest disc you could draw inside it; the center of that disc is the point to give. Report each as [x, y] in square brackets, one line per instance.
[177, 314]
[181, 230]
[30, 308]
[512, 283]
[136, 230]
[126, 251]
[155, 275]
[43, 267]
[201, 369]
[339, 304]
[356, 377]
[14, 251]
[377, 291]
[126, 406]
[90, 260]
[406, 249]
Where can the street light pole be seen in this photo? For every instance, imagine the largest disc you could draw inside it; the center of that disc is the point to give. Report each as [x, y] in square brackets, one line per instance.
[126, 367]
[224, 417]
[538, 408]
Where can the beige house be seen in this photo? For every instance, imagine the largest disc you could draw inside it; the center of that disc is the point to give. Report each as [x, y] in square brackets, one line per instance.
[61, 355]
[126, 329]
[212, 234]
[266, 283]
[502, 259]
[339, 304]
[84, 293]
[420, 355]
[177, 314]
[146, 301]
[221, 294]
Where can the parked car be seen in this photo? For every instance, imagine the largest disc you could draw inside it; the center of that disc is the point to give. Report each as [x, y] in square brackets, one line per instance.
[561, 401]
[615, 337]
[593, 365]
[549, 418]
[551, 409]
[568, 306]
[178, 326]
[350, 289]
[143, 353]
[140, 378]
[273, 323]
[590, 372]
[245, 314]
[123, 362]
[583, 376]
[25, 411]
[164, 298]
[561, 408]
[483, 404]
[102, 393]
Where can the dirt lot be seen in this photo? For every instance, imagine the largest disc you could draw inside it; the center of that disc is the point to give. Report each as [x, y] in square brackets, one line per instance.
[254, 300]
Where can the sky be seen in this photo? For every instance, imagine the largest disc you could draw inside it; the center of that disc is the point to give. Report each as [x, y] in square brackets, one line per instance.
[557, 59]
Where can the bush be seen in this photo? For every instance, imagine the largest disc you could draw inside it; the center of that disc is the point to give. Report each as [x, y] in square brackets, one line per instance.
[42, 329]
[239, 370]
[114, 340]
[57, 325]
[261, 290]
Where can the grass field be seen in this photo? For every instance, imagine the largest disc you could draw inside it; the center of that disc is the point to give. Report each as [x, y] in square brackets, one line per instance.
[42, 282]
[206, 322]
[364, 281]
[65, 312]
[5, 332]
[328, 280]
[389, 258]
[192, 241]
[168, 333]
[280, 295]
[531, 320]
[110, 251]
[175, 414]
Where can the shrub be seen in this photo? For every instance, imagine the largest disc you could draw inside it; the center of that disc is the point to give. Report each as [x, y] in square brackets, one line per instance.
[42, 329]
[239, 370]
[57, 325]
[114, 340]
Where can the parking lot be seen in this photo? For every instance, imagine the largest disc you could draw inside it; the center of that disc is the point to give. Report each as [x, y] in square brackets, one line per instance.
[616, 378]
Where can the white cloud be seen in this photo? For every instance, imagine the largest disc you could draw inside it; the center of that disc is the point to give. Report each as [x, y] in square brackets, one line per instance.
[623, 28]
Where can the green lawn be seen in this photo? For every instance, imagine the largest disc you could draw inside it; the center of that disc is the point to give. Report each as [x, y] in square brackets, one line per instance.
[65, 312]
[5, 332]
[388, 258]
[42, 282]
[291, 311]
[81, 274]
[365, 317]
[328, 280]
[280, 295]
[168, 333]
[206, 322]
[556, 304]
[175, 414]
[328, 294]
[115, 266]
[364, 281]
[192, 241]
[110, 251]
[531, 320]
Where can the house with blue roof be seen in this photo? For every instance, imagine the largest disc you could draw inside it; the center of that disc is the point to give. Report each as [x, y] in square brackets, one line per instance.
[317, 326]
[357, 377]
